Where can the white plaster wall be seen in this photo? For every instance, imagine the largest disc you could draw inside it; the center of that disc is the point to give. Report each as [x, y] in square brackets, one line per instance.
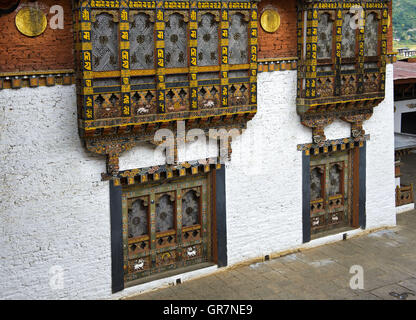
[402, 107]
[380, 207]
[54, 209]
[264, 187]
[337, 130]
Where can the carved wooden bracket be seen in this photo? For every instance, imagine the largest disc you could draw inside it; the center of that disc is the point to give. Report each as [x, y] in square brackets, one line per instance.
[357, 121]
[112, 149]
[318, 126]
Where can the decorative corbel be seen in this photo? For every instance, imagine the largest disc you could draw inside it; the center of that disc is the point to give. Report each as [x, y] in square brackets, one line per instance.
[357, 131]
[318, 128]
[113, 162]
[112, 149]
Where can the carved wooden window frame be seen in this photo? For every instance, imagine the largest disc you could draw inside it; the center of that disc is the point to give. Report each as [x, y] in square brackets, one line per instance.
[144, 264]
[339, 103]
[119, 129]
[322, 208]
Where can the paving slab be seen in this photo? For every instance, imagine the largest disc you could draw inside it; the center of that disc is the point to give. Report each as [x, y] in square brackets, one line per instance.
[394, 292]
[409, 284]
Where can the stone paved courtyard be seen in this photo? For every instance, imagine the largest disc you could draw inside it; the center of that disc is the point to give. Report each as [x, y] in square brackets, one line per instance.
[388, 258]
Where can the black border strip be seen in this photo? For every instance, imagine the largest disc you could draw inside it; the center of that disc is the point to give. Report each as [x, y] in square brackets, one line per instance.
[145, 86]
[362, 180]
[208, 82]
[306, 198]
[177, 84]
[107, 89]
[221, 210]
[117, 271]
[238, 80]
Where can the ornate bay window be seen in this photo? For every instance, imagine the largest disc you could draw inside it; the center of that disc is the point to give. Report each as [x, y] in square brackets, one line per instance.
[143, 65]
[342, 48]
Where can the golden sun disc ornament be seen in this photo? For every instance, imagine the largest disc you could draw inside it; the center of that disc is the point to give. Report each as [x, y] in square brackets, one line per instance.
[270, 20]
[31, 22]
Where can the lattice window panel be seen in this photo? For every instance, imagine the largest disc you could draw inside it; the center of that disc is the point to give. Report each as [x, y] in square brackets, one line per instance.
[329, 192]
[208, 27]
[166, 226]
[142, 26]
[371, 46]
[342, 60]
[142, 62]
[349, 37]
[104, 34]
[325, 34]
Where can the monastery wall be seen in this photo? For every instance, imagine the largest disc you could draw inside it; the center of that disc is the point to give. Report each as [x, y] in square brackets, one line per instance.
[264, 207]
[54, 208]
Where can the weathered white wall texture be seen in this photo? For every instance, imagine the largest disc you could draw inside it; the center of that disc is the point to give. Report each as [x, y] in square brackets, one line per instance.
[54, 210]
[264, 196]
[380, 207]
